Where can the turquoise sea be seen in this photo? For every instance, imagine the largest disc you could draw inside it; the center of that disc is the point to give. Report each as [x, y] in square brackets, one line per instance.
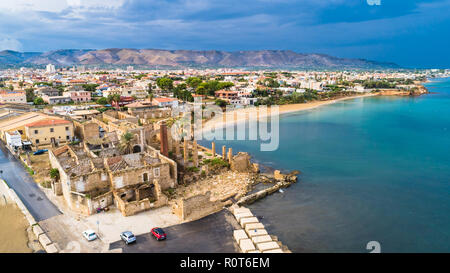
[373, 169]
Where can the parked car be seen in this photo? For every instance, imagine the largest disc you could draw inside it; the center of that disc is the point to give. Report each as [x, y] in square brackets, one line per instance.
[128, 237]
[39, 152]
[158, 233]
[90, 235]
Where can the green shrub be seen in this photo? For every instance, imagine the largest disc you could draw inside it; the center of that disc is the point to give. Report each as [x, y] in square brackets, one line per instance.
[216, 162]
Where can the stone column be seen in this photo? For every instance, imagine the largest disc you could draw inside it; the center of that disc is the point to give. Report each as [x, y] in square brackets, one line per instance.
[213, 148]
[224, 152]
[138, 196]
[230, 155]
[169, 140]
[177, 149]
[195, 153]
[163, 138]
[185, 150]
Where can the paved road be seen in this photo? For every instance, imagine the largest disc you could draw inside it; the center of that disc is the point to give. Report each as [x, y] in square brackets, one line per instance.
[212, 234]
[31, 195]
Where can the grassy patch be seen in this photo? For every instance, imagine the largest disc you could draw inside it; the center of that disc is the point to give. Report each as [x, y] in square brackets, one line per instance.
[192, 169]
[219, 162]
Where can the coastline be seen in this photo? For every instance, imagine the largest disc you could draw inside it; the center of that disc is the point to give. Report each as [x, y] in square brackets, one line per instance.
[241, 115]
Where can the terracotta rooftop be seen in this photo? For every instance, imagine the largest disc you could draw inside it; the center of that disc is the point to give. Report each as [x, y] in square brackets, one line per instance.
[164, 99]
[47, 122]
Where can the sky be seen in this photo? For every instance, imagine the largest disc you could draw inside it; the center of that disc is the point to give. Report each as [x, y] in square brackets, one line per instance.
[411, 33]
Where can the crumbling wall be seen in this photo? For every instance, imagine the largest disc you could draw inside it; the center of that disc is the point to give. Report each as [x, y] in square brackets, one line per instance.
[86, 130]
[89, 182]
[135, 176]
[241, 163]
[134, 207]
[196, 207]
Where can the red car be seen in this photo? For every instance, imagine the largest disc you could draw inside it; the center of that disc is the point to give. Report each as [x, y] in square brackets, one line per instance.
[158, 233]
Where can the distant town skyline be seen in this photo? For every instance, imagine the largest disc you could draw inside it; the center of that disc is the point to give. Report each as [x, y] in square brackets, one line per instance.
[410, 33]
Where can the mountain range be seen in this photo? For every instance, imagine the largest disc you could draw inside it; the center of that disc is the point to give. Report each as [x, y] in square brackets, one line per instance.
[186, 58]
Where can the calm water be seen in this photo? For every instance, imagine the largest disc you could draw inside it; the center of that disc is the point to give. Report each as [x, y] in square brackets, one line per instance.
[373, 169]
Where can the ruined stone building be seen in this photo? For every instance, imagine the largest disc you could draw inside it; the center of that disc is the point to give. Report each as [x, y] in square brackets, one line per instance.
[96, 175]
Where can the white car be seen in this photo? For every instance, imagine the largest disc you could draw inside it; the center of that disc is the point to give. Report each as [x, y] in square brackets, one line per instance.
[90, 235]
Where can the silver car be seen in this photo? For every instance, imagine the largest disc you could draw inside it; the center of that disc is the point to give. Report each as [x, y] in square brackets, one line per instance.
[128, 237]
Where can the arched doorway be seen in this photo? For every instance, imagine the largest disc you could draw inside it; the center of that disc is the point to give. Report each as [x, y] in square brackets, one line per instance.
[136, 149]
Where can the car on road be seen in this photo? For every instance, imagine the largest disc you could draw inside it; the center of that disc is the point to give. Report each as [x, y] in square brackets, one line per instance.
[39, 152]
[128, 237]
[158, 233]
[90, 235]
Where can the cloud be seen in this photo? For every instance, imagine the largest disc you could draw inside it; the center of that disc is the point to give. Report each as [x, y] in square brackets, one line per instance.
[349, 28]
[10, 44]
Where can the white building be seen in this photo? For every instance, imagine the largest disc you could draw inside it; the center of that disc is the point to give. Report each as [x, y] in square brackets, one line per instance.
[13, 139]
[50, 68]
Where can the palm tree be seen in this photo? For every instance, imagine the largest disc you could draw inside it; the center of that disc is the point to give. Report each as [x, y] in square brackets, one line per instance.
[126, 144]
[54, 173]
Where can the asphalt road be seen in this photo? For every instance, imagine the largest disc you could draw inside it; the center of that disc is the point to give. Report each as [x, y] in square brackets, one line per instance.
[29, 192]
[212, 234]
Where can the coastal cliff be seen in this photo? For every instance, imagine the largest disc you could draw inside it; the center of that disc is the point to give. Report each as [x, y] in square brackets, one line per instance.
[418, 90]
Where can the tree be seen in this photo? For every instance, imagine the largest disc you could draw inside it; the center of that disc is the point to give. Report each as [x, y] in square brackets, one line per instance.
[166, 84]
[193, 82]
[90, 87]
[39, 101]
[113, 98]
[102, 101]
[126, 143]
[221, 103]
[150, 88]
[54, 173]
[29, 92]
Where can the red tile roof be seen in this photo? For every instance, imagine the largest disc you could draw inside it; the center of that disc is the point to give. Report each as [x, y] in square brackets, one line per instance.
[48, 122]
[164, 99]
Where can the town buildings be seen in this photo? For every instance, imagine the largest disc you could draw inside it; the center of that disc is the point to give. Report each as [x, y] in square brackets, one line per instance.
[12, 97]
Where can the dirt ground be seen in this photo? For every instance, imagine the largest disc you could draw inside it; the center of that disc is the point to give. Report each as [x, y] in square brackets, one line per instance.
[220, 186]
[41, 167]
[13, 227]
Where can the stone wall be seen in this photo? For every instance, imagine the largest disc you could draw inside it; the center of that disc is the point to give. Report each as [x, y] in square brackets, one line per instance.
[87, 130]
[196, 207]
[130, 177]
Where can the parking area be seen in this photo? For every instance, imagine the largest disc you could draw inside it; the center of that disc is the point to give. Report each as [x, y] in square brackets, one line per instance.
[212, 234]
[66, 233]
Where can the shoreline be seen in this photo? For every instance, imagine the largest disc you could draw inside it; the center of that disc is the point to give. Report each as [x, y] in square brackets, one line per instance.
[235, 116]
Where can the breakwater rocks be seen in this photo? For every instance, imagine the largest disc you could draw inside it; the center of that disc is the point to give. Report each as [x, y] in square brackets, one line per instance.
[280, 181]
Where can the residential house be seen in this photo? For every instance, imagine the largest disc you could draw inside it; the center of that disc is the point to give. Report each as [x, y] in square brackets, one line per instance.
[49, 131]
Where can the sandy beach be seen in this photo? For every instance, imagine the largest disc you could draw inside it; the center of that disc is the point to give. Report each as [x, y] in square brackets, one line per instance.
[239, 115]
[13, 225]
